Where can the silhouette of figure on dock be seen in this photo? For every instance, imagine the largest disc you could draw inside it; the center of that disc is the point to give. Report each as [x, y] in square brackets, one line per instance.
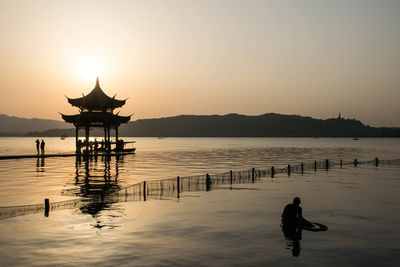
[96, 146]
[37, 145]
[79, 147]
[42, 144]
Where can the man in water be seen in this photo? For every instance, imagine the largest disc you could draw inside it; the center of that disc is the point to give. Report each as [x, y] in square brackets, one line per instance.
[293, 223]
[292, 215]
[292, 218]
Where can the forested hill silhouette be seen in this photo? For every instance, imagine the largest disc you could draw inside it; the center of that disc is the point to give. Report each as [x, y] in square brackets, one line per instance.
[10, 125]
[230, 125]
[266, 125]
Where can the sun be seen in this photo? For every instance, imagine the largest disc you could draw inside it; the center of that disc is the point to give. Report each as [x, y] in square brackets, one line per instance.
[89, 69]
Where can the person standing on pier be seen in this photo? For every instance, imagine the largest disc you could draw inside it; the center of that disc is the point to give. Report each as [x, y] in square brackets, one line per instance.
[42, 146]
[37, 145]
[96, 146]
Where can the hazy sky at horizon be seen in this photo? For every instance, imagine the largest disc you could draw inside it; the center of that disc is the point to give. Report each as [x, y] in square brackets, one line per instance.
[314, 58]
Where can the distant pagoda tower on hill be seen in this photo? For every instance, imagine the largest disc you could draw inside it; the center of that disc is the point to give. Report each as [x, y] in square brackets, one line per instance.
[96, 110]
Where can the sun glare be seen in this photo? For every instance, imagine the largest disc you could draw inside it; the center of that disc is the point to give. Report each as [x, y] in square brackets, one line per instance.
[90, 69]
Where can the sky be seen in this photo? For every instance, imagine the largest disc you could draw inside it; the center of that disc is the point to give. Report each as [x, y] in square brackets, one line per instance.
[312, 58]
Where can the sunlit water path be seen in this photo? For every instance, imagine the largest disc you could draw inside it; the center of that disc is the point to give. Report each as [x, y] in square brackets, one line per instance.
[166, 158]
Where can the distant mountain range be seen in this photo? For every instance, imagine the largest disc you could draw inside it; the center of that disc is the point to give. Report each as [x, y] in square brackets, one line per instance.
[230, 125]
[19, 126]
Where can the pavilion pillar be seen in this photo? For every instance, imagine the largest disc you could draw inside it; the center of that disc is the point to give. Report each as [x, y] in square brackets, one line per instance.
[108, 137]
[116, 137]
[105, 138]
[87, 139]
[76, 138]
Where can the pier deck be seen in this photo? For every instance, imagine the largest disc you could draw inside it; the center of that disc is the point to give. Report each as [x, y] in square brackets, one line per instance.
[113, 154]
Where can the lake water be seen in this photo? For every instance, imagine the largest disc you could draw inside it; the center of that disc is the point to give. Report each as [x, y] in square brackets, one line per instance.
[234, 226]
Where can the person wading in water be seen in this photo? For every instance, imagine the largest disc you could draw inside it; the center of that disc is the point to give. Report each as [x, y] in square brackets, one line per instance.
[293, 223]
[292, 214]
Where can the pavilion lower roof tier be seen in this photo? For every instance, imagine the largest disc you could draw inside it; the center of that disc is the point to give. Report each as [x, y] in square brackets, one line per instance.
[93, 119]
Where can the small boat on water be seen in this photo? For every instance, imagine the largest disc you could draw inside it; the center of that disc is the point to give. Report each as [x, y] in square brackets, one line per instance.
[129, 150]
[121, 147]
[355, 138]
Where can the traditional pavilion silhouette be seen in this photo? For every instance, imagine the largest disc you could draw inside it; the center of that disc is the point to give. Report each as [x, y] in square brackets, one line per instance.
[96, 110]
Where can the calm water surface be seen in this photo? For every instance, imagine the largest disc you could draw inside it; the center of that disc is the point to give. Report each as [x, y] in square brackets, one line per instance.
[238, 226]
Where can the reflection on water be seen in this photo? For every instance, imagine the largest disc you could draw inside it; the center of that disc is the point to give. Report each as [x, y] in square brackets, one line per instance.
[95, 182]
[170, 157]
[226, 227]
[293, 235]
[40, 164]
[95, 187]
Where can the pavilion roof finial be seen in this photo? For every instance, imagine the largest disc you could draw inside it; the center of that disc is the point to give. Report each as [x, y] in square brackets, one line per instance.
[97, 82]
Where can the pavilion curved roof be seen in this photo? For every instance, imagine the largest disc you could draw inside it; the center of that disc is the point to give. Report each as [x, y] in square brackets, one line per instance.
[96, 100]
[89, 118]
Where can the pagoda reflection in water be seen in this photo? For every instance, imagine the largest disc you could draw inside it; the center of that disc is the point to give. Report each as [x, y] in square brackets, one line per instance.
[96, 179]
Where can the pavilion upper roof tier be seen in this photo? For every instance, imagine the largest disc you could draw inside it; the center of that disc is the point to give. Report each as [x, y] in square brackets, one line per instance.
[96, 100]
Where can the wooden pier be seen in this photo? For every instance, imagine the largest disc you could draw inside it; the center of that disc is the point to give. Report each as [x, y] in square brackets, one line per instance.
[111, 154]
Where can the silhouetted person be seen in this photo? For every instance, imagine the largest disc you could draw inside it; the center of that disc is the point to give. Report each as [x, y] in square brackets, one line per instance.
[42, 144]
[120, 145]
[293, 223]
[79, 146]
[292, 220]
[37, 145]
[293, 214]
[117, 145]
[96, 145]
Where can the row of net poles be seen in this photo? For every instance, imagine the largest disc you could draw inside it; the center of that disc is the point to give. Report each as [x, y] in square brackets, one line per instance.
[208, 180]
